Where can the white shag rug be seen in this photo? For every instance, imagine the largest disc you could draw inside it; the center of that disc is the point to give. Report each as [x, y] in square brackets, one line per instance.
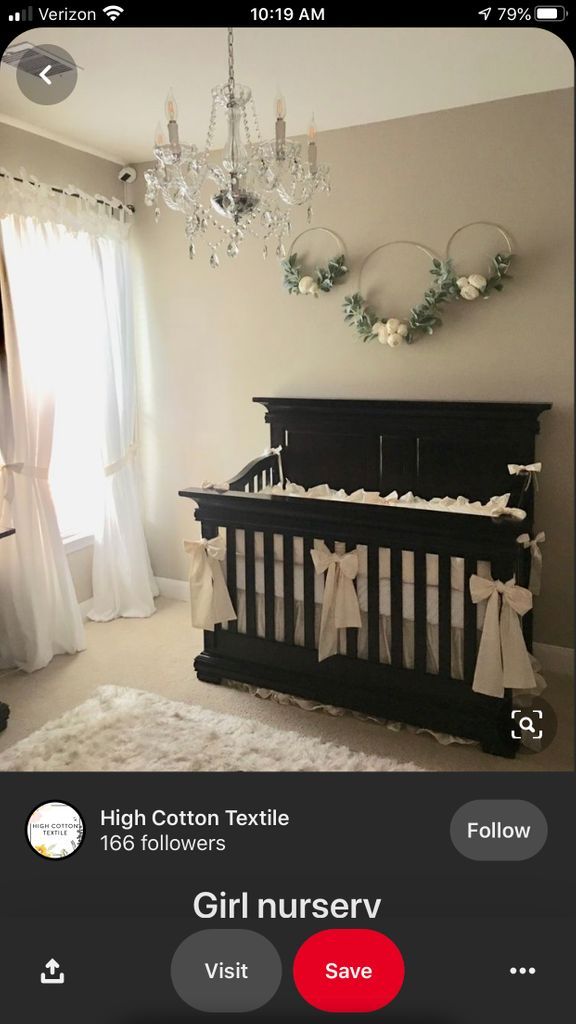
[125, 730]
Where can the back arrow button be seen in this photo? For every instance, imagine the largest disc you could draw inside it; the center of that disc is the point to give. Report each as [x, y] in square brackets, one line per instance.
[44, 74]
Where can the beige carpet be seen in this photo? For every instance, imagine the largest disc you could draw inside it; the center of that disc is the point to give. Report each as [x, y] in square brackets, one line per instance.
[156, 654]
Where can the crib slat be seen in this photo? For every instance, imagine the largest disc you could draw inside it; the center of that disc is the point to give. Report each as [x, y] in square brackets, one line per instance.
[396, 604]
[444, 615]
[470, 567]
[231, 573]
[269, 585]
[373, 603]
[250, 570]
[288, 589]
[351, 634]
[420, 633]
[309, 611]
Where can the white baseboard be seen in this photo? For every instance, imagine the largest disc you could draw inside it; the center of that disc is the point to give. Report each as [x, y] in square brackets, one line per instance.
[85, 607]
[178, 590]
[555, 659]
[552, 659]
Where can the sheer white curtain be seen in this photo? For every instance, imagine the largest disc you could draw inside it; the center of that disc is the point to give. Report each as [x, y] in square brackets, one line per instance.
[123, 582]
[39, 613]
[67, 306]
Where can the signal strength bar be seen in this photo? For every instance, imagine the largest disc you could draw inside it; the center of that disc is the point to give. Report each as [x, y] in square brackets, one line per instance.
[27, 14]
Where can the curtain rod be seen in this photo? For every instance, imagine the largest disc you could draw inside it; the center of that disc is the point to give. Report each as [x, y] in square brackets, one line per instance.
[73, 195]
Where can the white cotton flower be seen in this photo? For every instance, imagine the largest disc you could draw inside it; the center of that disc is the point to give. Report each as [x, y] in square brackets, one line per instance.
[379, 329]
[305, 284]
[376, 326]
[314, 289]
[462, 282]
[392, 326]
[394, 340]
[403, 330]
[478, 281]
[469, 292]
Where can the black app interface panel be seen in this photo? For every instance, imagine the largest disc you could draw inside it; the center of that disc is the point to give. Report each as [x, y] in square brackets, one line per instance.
[286, 515]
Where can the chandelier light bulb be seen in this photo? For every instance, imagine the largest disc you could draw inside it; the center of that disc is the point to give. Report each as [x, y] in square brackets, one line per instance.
[171, 107]
[312, 130]
[159, 137]
[280, 106]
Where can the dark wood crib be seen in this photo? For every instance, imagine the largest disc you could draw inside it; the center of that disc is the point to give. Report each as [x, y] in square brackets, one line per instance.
[430, 448]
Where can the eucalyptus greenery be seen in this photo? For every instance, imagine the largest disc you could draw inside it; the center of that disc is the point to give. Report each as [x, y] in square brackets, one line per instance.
[446, 278]
[424, 317]
[500, 266]
[325, 277]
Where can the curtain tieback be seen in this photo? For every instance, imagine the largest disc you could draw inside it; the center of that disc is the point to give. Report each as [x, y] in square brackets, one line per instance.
[7, 470]
[25, 469]
[531, 470]
[340, 608]
[503, 661]
[278, 453]
[209, 598]
[524, 539]
[115, 467]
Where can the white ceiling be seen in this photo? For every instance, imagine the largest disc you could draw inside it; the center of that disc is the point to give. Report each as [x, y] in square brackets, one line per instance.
[346, 76]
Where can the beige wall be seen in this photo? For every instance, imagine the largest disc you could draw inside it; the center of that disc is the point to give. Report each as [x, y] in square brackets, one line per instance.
[210, 340]
[59, 165]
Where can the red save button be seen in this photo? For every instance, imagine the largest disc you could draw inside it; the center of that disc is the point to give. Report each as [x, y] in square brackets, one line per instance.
[348, 970]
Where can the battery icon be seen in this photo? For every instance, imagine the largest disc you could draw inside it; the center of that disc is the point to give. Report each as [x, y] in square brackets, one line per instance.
[549, 13]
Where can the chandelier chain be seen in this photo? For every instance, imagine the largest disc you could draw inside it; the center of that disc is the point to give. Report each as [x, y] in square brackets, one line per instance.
[231, 82]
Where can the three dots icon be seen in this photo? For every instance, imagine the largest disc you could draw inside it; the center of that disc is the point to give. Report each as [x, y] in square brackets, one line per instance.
[522, 970]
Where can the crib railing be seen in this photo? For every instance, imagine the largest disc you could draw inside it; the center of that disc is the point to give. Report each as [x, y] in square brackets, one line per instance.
[267, 518]
[261, 472]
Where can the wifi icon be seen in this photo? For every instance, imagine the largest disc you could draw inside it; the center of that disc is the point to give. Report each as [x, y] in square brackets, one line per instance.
[113, 11]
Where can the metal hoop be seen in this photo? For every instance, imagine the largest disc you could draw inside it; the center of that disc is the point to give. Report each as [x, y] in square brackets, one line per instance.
[477, 223]
[318, 227]
[432, 255]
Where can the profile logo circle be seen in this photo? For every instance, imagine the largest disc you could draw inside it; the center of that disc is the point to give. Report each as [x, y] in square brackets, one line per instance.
[55, 830]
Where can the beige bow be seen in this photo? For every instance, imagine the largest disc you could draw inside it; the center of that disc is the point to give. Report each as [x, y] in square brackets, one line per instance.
[208, 485]
[209, 598]
[502, 661]
[340, 608]
[514, 469]
[535, 582]
[278, 453]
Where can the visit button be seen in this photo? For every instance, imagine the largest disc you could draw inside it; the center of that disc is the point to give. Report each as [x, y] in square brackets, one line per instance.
[348, 970]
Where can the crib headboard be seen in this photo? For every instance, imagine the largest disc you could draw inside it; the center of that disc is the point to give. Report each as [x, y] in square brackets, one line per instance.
[431, 448]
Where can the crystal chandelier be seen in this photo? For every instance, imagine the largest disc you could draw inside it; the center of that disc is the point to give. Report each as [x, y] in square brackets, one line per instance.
[256, 181]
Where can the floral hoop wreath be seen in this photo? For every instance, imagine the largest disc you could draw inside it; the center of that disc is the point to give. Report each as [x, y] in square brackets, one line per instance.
[423, 318]
[322, 279]
[472, 286]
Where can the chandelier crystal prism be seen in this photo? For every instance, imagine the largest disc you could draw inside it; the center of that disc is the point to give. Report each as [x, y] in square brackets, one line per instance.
[256, 181]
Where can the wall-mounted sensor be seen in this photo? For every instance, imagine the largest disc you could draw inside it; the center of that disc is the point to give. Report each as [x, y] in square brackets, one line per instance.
[127, 175]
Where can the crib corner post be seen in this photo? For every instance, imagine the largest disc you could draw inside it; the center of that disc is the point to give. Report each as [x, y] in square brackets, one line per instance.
[202, 668]
[498, 739]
